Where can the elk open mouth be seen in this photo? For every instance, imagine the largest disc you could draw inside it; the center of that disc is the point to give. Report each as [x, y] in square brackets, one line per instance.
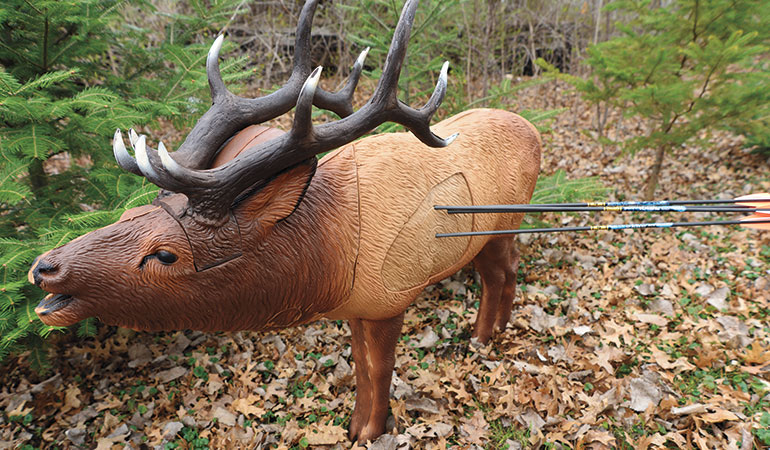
[52, 303]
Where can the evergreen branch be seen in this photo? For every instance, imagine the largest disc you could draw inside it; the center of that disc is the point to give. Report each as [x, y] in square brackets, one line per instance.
[141, 199]
[12, 174]
[33, 7]
[8, 83]
[18, 243]
[18, 259]
[62, 51]
[721, 13]
[14, 193]
[91, 218]
[112, 9]
[14, 335]
[184, 73]
[46, 330]
[27, 315]
[19, 55]
[45, 80]
[87, 328]
[38, 357]
[66, 237]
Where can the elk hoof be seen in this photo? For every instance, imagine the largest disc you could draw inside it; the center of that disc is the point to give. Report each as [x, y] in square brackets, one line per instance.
[366, 434]
[362, 427]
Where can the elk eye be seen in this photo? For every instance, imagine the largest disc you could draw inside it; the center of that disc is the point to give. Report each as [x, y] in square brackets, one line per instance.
[165, 257]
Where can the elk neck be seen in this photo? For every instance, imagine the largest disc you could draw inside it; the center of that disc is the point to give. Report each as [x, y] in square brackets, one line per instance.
[305, 265]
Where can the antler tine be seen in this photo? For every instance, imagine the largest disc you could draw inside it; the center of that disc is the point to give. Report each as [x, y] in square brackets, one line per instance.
[418, 120]
[388, 83]
[147, 165]
[216, 84]
[341, 102]
[125, 161]
[143, 160]
[231, 179]
[303, 120]
[132, 137]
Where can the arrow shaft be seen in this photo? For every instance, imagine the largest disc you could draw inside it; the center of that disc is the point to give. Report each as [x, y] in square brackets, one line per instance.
[627, 226]
[528, 207]
[641, 208]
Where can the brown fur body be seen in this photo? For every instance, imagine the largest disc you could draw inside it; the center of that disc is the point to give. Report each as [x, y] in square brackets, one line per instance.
[357, 243]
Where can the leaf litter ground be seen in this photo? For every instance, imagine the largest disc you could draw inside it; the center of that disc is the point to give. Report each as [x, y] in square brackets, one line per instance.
[646, 339]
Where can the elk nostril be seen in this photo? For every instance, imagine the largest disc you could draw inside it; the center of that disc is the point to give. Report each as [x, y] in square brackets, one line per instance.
[41, 268]
[46, 267]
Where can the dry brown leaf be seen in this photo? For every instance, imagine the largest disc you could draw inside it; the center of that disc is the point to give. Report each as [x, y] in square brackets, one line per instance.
[614, 332]
[756, 354]
[476, 428]
[599, 436]
[104, 444]
[460, 393]
[650, 441]
[677, 439]
[111, 403]
[441, 444]
[21, 410]
[662, 359]
[707, 356]
[247, 406]
[607, 354]
[71, 400]
[720, 415]
[756, 370]
[695, 408]
[654, 319]
[326, 435]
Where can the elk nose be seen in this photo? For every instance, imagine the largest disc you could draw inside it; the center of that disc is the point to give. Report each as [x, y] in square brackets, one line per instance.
[40, 269]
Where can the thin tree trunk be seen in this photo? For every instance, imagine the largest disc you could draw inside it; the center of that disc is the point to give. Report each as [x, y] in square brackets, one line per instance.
[469, 46]
[487, 46]
[37, 178]
[652, 181]
[532, 49]
[598, 21]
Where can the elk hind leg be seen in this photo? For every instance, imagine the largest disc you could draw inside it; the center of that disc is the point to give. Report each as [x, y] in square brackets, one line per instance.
[374, 354]
[497, 264]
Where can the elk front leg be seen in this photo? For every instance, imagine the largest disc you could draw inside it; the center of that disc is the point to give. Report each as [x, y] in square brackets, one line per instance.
[374, 347]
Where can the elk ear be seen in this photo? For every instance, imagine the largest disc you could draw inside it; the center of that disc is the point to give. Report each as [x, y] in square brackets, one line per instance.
[277, 198]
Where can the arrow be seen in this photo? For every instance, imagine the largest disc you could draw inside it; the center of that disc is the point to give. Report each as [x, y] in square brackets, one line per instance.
[755, 221]
[744, 202]
[553, 208]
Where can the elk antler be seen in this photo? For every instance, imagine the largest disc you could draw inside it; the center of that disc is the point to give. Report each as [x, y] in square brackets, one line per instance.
[211, 192]
[230, 113]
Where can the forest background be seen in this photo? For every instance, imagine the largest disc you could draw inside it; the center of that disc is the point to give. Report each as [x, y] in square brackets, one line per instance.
[656, 78]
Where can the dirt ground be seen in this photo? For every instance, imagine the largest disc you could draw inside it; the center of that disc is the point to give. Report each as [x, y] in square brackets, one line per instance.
[639, 339]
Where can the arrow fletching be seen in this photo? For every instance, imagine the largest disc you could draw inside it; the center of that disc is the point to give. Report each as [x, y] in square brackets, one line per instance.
[760, 200]
[756, 221]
